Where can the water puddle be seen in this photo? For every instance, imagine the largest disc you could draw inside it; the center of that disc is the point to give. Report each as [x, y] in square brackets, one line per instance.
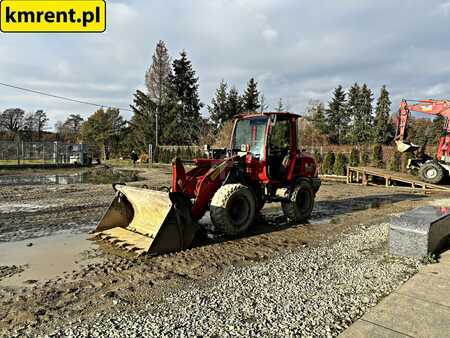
[8, 208]
[64, 179]
[47, 257]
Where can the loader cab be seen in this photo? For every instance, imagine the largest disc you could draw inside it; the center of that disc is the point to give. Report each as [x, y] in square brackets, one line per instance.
[270, 138]
[280, 145]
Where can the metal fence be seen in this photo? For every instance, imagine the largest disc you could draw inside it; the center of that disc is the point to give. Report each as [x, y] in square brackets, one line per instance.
[19, 152]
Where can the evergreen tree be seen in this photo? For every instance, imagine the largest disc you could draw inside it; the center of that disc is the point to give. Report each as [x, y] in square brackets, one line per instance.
[383, 126]
[251, 96]
[280, 106]
[354, 157]
[377, 156]
[337, 116]
[364, 156]
[353, 109]
[395, 162]
[184, 104]
[328, 163]
[362, 120]
[318, 118]
[142, 123]
[235, 104]
[340, 165]
[219, 106]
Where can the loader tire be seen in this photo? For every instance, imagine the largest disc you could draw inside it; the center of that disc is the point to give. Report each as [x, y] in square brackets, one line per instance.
[301, 202]
[431, 172]
[233, 209]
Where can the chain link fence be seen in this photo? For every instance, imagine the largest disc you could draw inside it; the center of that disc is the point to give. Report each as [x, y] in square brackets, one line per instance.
[20, 153]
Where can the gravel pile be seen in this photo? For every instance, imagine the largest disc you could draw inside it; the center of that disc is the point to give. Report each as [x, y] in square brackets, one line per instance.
[317, 291]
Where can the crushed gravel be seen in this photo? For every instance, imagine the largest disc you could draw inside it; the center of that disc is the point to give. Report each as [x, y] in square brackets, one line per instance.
[313, 291]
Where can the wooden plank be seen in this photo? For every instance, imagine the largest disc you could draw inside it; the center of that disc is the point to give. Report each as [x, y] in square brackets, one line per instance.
[390, 177]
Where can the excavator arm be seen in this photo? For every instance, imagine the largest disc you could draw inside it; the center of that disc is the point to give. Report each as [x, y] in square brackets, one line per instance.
[430, 107]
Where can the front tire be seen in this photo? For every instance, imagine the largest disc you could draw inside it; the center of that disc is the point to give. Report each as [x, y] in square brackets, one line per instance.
[301, 202]
[431, 172]
[233, 209]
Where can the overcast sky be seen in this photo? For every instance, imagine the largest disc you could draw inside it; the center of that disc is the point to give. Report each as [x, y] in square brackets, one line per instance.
[296, 49]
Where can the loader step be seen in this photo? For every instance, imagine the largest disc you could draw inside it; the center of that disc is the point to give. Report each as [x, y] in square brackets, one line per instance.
[376, 176]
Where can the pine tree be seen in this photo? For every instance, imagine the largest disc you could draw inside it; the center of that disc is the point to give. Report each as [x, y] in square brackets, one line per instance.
[235, 105]
[364, 156]
[362, 118]
[280, 106]
[318, 118]
[251, 96]
[219, 106]
[328, 163]
[185, 105]
[353, 109]
[337, 116]
[377, 156]
[142, 122]
[383, 126]
[340, 165]
[395, 162]
[354, 157]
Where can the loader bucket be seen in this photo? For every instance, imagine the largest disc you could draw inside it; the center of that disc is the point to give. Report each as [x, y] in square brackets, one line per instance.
[405, 147]
[147, 221]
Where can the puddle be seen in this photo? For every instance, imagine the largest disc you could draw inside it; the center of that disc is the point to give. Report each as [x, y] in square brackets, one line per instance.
[8, 208]
[8, 180]
[48, 257]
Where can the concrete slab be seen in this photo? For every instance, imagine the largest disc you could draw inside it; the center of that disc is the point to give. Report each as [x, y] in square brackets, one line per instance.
[441, 269]
[419, 232]
[428, 288]
[411, 316]
[363, 329]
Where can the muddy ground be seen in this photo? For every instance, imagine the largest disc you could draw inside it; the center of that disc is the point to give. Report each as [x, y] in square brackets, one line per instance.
[51, 275]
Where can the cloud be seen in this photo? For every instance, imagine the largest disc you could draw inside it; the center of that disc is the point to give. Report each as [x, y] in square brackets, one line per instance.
[297, 50]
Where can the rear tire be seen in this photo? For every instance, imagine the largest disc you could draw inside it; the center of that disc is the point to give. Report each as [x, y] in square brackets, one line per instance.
[431, 172]
[233, 209]
[301, 202]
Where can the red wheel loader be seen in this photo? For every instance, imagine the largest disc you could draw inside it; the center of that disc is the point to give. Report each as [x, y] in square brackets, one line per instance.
[263, 164]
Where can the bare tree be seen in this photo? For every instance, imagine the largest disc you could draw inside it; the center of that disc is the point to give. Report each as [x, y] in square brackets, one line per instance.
[12, 120]
[40, 121]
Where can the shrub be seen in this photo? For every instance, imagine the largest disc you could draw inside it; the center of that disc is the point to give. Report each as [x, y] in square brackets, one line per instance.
[364, 156]
[377, 156]
[354, 157]
[395, 163]
[328, 163]
[340, 165]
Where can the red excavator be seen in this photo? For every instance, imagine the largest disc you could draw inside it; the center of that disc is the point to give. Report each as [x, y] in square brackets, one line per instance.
[431, 170]
[263, 164]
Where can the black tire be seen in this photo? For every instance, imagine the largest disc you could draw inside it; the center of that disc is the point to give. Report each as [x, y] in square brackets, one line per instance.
[431, 172]
[233, 209]
[301, 202]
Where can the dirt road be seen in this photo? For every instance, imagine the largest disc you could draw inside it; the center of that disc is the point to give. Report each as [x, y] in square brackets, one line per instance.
[51, 275]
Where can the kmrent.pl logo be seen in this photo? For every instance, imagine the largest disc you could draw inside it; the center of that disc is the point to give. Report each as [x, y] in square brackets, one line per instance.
[52, 16]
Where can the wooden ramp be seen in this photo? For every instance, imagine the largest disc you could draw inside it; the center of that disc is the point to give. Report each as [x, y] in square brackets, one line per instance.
[376, 176]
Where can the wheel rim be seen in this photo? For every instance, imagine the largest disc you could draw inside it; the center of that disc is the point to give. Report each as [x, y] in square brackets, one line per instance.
[431, 173]
[239, 210]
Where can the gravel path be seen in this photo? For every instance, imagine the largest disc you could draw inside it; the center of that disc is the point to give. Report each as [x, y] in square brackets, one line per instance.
[314, 291]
